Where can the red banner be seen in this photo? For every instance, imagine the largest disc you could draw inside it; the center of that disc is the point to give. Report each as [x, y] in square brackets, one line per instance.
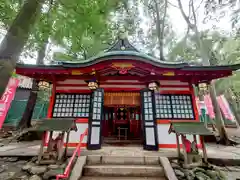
[209, 106]
[225, 108]
[7, 98]
[198, 105]
[223, 104]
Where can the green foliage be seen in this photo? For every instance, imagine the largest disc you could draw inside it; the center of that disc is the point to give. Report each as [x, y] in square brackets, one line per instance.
[223, 50]
[93, 30]
[81, 27]
[149, 36]
[83, 24]
[43, 96]
[59, 56]
[9, 9]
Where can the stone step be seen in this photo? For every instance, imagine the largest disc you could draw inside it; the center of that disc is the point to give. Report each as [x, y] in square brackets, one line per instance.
[123, 160]
[121, 178]
[123, 170]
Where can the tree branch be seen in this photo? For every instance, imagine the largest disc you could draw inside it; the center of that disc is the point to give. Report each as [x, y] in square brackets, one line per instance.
[173, 5]
[184, 15]
[193, 12]
[162, 30]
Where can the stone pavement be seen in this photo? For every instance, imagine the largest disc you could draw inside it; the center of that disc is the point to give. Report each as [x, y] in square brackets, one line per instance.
[31, 149]
[217, 153]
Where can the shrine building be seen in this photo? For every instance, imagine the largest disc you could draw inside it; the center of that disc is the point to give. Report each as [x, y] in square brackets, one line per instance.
[124, 96]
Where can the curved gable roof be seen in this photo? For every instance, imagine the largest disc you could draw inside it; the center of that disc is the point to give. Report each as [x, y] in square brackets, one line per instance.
[123, 50]
[124, 55]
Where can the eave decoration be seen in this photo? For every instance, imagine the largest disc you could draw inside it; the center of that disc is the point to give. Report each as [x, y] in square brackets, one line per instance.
[203, 88]
[153, 86]
[122, 68]
[93, 84]
[43, 85]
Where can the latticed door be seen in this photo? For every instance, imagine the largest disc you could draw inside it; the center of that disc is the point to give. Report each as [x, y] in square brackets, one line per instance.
[95, 120]
[149, 120]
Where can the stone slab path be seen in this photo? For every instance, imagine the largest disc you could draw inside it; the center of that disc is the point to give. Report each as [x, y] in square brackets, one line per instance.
[31, 149]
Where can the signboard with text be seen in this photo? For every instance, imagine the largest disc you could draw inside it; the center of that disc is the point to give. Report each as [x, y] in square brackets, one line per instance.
[6, 99]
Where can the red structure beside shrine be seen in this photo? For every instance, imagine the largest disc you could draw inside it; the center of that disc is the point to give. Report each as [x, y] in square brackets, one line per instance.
[123, 95]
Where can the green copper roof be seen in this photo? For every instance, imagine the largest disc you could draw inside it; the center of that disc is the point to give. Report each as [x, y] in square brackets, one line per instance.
[122, 49]
[127, 54]
[192, 128]
[55, 124]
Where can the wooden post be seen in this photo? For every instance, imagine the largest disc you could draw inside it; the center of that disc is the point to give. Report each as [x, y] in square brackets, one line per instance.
[184, 151]
[178, 146]
[41, 147]
[119, 133]
[50, 140]
[195, 140]
[126, 132]
[66, 148]
[204, 149]
[61, 148]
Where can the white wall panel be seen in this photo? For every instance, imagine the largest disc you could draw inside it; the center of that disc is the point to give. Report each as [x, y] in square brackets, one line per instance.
[150, 136]
[165, 138]
[95, 135]
[74, 136]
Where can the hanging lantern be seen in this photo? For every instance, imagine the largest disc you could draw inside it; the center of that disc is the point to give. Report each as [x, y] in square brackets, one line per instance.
[153, 86]
[92, 84]
[202, 87]
[43, 85]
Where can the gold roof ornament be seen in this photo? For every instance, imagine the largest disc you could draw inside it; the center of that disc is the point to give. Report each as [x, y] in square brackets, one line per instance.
[123, 34]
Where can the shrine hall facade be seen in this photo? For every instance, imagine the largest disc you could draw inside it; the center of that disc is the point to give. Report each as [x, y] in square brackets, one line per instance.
[124, 96]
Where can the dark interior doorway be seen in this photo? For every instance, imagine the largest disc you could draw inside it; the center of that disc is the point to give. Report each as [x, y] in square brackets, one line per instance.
[122, 125]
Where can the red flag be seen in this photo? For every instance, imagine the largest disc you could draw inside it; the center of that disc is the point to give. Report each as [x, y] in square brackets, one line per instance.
[225, 107]
[7, 98]
[208, 103]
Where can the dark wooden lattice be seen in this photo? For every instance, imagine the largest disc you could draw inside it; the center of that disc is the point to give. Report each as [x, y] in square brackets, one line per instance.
[174, 106]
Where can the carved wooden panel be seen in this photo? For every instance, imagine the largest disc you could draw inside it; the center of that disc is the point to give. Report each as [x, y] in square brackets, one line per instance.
[122, 98]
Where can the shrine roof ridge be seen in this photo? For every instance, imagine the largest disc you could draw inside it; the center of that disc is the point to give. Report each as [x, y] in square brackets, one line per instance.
[180, 66]
[123, 50]
[123, 55]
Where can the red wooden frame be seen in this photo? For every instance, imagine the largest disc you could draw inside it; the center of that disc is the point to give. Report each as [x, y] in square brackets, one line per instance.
[175, 146]
[184, 75]
[70, 163]
[52, 100]
[194, 103]
[82, 120]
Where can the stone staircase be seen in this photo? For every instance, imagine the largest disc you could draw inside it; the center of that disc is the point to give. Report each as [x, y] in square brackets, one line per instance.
[122, 168]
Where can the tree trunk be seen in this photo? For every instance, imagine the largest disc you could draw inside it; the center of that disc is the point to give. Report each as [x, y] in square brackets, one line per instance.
[15, 39]
[25, 122]
[206, 62]
[224, 139]
[218, 116]
[233, 105]
[160, 27]
[235, 111]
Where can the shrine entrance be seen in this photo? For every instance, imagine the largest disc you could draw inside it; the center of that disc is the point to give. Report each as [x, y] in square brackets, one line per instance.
[122, 122]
